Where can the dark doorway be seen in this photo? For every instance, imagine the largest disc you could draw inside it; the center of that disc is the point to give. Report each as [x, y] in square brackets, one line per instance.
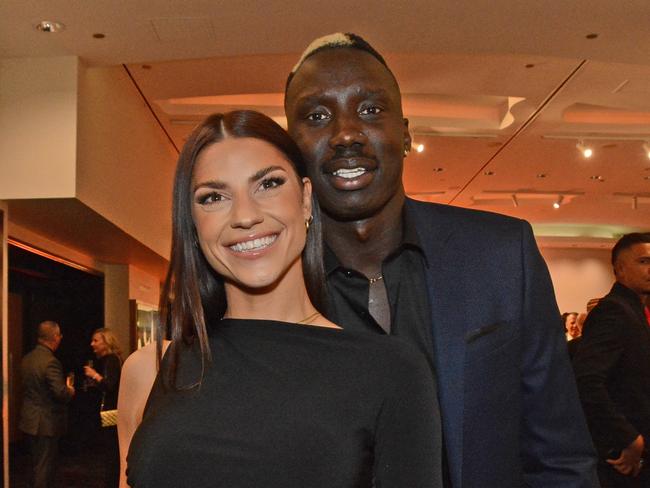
[43, 287]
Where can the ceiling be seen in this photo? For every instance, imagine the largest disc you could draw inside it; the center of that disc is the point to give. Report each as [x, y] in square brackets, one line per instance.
[499, 93]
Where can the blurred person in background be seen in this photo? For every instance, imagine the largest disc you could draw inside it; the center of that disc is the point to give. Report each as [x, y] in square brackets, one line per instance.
[104, 375]
[46, 392]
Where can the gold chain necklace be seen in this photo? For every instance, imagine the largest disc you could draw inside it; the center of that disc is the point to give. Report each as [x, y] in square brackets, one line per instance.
[372, 281]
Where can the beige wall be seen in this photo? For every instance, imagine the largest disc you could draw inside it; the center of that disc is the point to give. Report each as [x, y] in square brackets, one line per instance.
[116, 302]
[125, 162]
[38, 127]
[578, 275]
[143, 287]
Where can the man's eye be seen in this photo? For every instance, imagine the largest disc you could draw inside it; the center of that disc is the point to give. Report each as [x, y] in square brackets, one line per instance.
[317, 116]
[273, 182]
[372, 110]
[209, 198]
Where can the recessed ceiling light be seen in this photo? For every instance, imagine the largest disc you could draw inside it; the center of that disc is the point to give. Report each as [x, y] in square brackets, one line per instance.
[530, 65]
[591, 36]
[646, 177]
[438, 170]
[488, 173]
[541, 175]
[419, 148]
[146, 66]
[50, 26]
[597, 178]
[99, 35]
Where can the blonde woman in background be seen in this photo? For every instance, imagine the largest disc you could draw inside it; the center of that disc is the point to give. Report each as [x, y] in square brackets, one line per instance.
[104, 374]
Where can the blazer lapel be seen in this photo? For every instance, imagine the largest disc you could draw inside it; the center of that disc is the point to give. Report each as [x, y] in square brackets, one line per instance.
[436, 234]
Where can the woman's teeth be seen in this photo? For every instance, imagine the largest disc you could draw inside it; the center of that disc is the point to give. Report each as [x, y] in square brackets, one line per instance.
[254, 244]
[349, 173]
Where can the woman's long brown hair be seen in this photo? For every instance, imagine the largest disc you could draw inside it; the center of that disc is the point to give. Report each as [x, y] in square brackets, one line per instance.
[193, 294]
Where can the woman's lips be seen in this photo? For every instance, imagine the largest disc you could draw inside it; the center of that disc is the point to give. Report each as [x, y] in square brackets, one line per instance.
[253, 246]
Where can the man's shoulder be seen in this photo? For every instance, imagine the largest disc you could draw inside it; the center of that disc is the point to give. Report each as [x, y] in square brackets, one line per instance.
[619, 300]
[443, 216]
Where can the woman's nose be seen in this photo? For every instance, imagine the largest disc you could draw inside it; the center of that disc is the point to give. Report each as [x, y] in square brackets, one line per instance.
[245, 213]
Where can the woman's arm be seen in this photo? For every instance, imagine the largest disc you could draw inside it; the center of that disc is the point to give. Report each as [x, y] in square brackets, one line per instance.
[138, 375]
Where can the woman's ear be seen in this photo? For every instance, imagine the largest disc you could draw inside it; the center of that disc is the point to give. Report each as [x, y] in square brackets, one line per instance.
[306, 197]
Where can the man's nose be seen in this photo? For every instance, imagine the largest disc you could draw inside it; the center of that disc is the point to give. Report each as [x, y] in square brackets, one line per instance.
[245, 213]
[348, 131]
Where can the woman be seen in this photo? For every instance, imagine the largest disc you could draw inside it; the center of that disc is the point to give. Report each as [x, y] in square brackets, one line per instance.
[104, 375]
[258, 388]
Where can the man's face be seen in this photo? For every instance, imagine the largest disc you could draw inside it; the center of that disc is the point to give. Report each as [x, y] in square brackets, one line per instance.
[344, 112]
[632, 268]
[57, 337]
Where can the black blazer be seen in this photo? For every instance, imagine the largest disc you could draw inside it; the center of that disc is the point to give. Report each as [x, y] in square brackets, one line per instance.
[45, 395]
[510, 410]
[612, 367]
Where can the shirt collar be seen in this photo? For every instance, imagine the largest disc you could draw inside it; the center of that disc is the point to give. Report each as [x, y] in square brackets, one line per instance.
[410, 240]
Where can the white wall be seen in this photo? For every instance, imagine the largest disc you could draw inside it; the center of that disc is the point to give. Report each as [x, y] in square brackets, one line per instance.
[125, 162]
[38, 127]
[578, 275]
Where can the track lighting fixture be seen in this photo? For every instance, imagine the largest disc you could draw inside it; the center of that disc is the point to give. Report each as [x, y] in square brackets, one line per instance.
[558, 202]
[586, 151]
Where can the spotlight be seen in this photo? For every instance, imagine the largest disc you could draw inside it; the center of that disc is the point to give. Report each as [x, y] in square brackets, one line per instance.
[646, 149]
[419, 148]
[586, 151]
[558, 202]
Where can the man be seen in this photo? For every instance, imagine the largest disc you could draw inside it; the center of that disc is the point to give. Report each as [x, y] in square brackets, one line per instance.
[468, 288]
[43, 414]
[612, 367]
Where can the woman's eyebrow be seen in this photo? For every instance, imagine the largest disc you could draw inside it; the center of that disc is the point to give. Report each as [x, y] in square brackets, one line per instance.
[214, 184]
[263, 172]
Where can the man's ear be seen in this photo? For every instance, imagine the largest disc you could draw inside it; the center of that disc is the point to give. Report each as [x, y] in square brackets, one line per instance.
[306, 197]
[407, 135]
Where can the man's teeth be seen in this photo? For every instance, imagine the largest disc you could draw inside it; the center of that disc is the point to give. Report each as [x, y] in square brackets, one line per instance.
[349, 173]
[254, 244]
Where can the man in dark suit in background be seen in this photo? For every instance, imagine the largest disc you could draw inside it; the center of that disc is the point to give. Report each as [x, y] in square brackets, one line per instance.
[612, 367]
[45, 394]
[468, 288]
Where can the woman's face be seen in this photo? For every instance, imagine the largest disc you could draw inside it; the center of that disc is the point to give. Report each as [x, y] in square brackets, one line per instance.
[98, 344]
[249, 211]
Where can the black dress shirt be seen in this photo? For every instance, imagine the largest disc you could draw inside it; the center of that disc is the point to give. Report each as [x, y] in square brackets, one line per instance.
[405, 282]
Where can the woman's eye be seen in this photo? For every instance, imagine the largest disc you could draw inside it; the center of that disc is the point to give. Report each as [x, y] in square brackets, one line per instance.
[273, 182]
[209, 198]
[371, 110]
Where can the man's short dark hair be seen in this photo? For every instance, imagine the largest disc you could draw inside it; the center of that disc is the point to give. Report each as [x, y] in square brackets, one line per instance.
[47, 330]
[338, 40]
[627, 241]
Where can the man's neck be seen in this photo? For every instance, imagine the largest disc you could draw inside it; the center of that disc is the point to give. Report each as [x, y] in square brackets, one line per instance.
[364, 244]
[47, 344]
